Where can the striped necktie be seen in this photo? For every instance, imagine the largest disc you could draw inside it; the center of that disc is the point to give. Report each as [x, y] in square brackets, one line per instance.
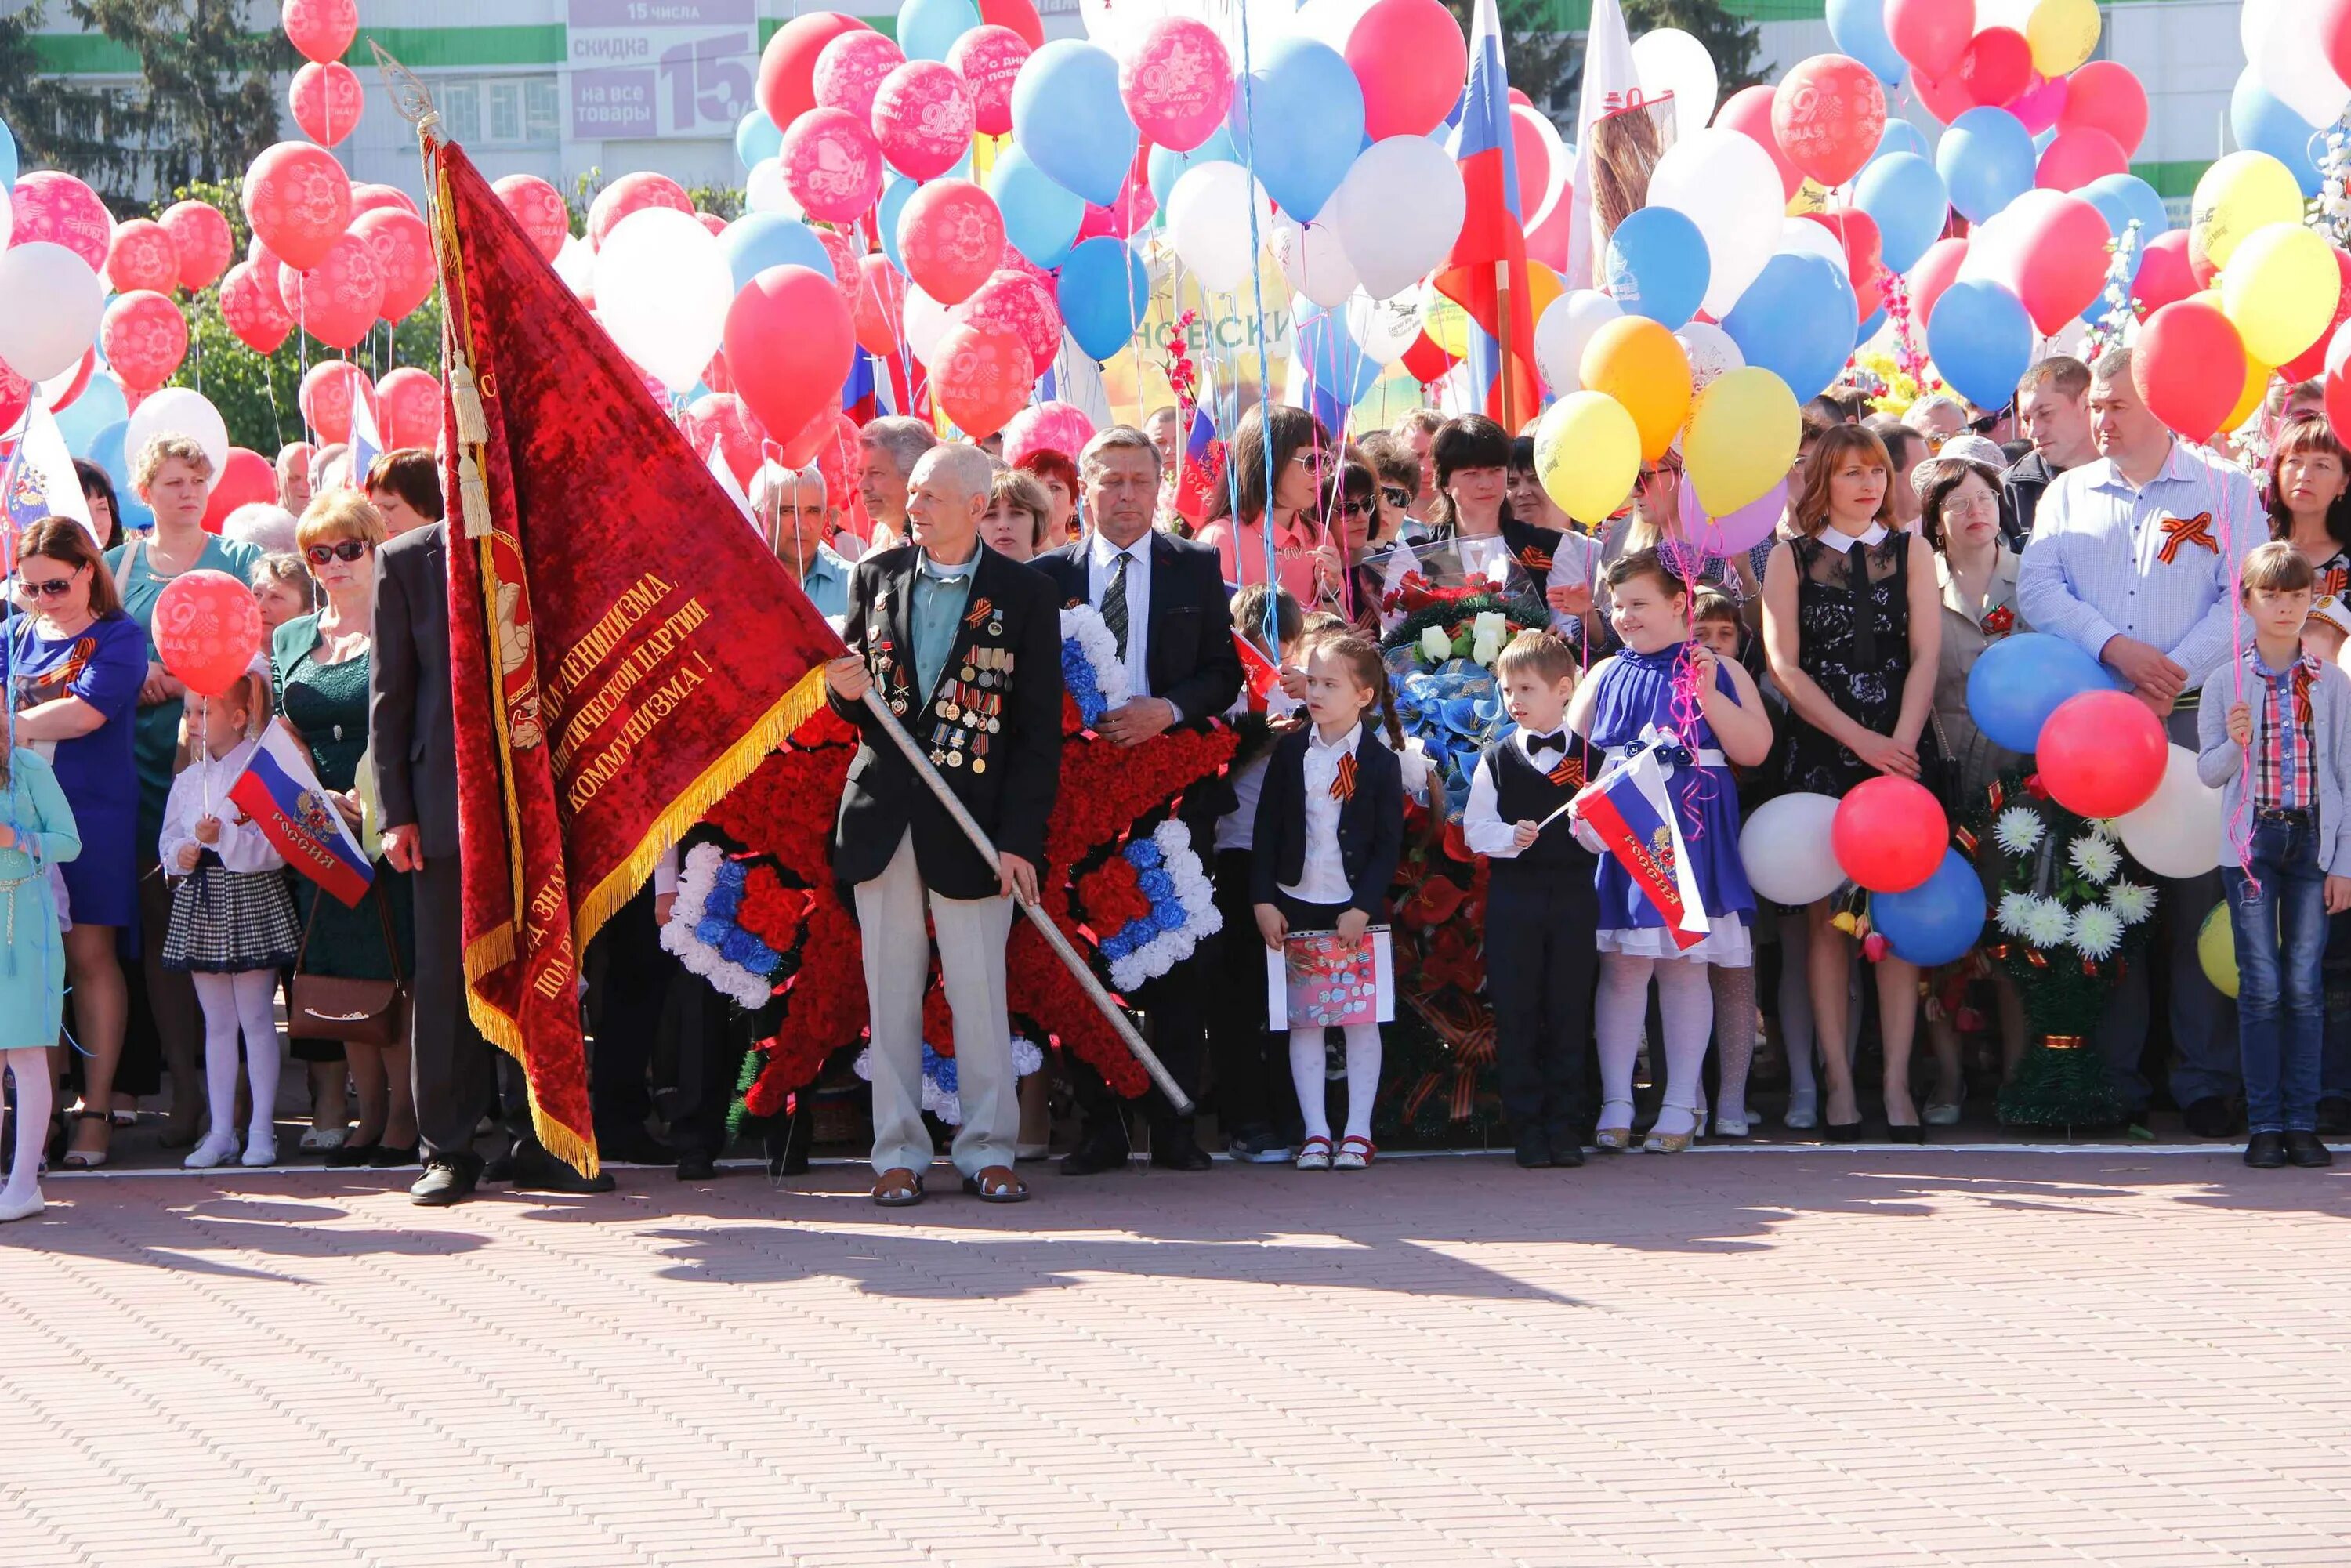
[1113, 605]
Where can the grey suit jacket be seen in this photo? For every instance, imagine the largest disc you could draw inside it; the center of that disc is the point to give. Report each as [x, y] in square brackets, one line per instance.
[412, 722]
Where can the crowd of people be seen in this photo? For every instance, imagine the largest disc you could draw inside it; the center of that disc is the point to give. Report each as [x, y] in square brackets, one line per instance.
[162, 929]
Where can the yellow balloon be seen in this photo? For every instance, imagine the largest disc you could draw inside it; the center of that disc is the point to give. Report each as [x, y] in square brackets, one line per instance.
[1810, 197]
[2242, 193]
[2063, 34]
[2280, 290]
[1543, 286]
[1744, 432]
[2216, 950]
[1636, 362]
[1588, 455]
[1446, 324]
[2257, 386]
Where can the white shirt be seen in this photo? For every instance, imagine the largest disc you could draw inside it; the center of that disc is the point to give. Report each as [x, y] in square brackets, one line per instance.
[1482, 826]
[201, 790]
[1102, 566]
[1323, 877]
[1842, 543]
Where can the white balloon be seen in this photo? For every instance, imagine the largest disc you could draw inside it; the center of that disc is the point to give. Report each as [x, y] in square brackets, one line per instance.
[926, 322]
[1712, 355]
[1383, 328]
[1562, 170]
[1806, 237]
[764, 191]
[1567, 324]
[1329, 20]
[2011, 14]
[1208, 222]
[177, 411]
[1398, 211]
[576, 264]
[54, 302]
[2287, 60]
[662, 288]
[1670, 61]
[2179, 832]
[7, 222]
[1726, 184]
[1312, 259]
[1787, 849]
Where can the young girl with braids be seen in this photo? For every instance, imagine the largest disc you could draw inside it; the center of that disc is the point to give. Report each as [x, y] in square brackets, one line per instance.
[1329, 832]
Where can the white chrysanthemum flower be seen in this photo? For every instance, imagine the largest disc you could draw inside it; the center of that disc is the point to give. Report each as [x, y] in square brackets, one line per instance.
[2015, 909]
[2130, 901]
[2096, 857]
[2018, 830]
[2096, 931]
[2046, 924]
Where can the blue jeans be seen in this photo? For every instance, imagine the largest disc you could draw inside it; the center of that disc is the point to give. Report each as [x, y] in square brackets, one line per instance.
[2281, 975]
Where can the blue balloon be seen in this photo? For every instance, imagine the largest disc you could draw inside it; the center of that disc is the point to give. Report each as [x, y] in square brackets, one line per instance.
[1659, 267]
[1901, 136]
[1067, 115]
[896, 190]
[1040, 217]
[2119, 198]
[106, 451]
[1987, 159]
[101, 404]
[2017, 682]
[927, 29]
[1906, 197]
[1306, 95]
[1859, 28]
[7, 157]
[1938, 921]
[2263, 124]
[1336, 365]
[1797, 321]
[1869, 328]
[757, 241]
[1982, 338]
[755, 136]
[1105, 291]
[1167, 165]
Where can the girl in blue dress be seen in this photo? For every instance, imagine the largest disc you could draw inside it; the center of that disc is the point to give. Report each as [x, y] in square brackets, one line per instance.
[37, 832]
[1628, 695]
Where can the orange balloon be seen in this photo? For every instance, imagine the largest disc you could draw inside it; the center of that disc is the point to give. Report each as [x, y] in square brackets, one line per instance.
[1638, 362]
[2257, 385]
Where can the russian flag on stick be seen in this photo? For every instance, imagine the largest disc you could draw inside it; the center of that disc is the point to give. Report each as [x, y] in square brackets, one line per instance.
[285, 800]
[1626, 807]
[367, 442]
[1261, 676]
[1487, 264]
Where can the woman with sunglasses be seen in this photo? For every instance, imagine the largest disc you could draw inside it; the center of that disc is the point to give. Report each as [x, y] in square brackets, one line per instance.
[1242, 510]
[1351, 578]
[77, 662]
[322, 663]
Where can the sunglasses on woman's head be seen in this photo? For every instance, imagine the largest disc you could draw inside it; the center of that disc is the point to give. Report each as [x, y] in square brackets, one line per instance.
[346, 549]
[55, 587]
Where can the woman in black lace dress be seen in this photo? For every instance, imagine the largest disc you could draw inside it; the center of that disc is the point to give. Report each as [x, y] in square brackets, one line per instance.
[1851, 607]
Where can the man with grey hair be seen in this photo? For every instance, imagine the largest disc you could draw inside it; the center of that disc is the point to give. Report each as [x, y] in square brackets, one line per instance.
[888, 449]
[1938, 418]
[965, 648]
[293, 468]
[793, 512]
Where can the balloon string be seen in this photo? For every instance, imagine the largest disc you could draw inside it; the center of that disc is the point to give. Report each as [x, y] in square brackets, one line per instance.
[2241, 826]
[1256, 296]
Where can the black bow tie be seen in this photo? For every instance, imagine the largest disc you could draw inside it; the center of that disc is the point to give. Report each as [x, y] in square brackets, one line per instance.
[1539, 744]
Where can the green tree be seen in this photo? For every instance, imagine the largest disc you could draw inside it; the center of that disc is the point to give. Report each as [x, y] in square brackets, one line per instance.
[1544, 63]
[56, 124]
[1732, 42]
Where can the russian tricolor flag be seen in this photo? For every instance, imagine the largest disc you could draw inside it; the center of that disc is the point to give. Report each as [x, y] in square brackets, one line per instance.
[1627, 809]
[367, 442]
[285, 800]
[1491, 254]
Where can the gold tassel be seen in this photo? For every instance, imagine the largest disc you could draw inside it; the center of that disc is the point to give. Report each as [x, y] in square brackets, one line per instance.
[473, 496]
[472, 428]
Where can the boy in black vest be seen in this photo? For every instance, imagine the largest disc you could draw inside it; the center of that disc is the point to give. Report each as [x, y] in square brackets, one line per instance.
[1541, 906]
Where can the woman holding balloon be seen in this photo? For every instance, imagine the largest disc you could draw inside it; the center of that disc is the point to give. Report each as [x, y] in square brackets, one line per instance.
[2310, 500]
[1850, 609]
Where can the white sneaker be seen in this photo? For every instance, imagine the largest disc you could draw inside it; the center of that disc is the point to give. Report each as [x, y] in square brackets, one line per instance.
[261, 1148]
[20, 1209]
[1804, 1110]
[217, 1149]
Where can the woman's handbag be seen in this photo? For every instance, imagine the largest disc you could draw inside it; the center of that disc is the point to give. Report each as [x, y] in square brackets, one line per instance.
[360, 1012]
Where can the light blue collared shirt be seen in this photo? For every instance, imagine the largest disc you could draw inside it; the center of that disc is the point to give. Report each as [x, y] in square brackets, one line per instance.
[940, 594]
[826, 583]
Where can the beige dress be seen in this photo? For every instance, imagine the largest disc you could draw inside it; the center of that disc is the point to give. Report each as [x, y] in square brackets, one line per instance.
[1968, 630]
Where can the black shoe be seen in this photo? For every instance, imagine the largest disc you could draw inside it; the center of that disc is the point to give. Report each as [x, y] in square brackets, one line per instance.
[392, 1156]
[695, 1164]
[2264, 1151]
[632, 1147]
[536, 1170]
[1181, 1152]
[1258, 1145]
[350, 1157]
[447, 1179]
[1900, 1135]
[1566, 1153]
[1533, 1152]
[1093, 1157]
[2210, 1117]
[2305, 1152]
[2334, 1117]
[1842, 1132]
[499, 1169]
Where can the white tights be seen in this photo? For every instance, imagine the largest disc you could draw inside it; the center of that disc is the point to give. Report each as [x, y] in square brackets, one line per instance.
[1685, 1003]
[1307, 1072]
[244, 999]
[32, 1072]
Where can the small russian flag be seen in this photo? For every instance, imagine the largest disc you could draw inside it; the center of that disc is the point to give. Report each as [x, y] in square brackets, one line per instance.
[367, 442]
[285, 800]
[1628, 810]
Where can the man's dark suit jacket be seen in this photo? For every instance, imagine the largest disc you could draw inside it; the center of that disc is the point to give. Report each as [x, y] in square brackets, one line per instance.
[1189, 654]
[411, 723]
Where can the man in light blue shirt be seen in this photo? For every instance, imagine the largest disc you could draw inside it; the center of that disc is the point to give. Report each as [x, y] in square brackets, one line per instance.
[2131, 560]
[793, 509]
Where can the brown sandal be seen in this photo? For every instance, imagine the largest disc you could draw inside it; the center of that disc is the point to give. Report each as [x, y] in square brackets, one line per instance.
[996, 1183]
[898, 1188]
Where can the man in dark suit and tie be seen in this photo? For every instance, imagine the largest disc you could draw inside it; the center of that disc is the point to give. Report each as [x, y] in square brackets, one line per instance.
[1164, 601]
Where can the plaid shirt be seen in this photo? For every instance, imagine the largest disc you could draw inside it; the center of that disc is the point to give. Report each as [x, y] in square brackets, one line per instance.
[2282, 766]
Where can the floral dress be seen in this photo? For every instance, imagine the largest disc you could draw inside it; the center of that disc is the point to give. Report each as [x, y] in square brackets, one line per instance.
[1853, 638]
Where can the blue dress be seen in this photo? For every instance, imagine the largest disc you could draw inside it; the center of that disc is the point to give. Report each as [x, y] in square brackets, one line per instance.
[104, 664]
[1635, 690]
[32, 955]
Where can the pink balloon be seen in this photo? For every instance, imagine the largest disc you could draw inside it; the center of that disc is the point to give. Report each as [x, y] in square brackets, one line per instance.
[949, 236]
[1178, 82]
[2042, 104]
[2108, 95]
[298, 201]
[1828, 113]
[1047, 427]
[989, 58]
[1013, 261]
[2166, 276]
[329, 391]
[849, 71]
[1131, 209]
[321, 29]
[632, 194]
[539, 208]
[1996, 66]
[1022, 305]
[408, 408]
[15, 392]
[244, 479]
[843, 255]
[831, 164]
[200, 238]
[144, 337]
[981, 374]
[1930, 34]
[60, 210]
[1749, 113]
[2074, 158]
[789, 343]
[337, 301]
[880, 305]
[922, 117]
[1945, 98]
[1930, 274]
[404, 254]
[207, 627]
[1411, 58]
[142, 257]
[249, 304]
[723, 419]
[369, 198]
[2061, 244]
[1733, 534]
[327, 101]
[79, 383]
[711, 221]
[1533, 155]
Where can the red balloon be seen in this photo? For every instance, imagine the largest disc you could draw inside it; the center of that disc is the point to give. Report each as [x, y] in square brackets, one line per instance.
[923, 118]
[634, 194]
[145, 337]
[1932, 273]
[2164, 274]
[1946, 98]
[1021, 15]
[200, 238]
[843, 255]
[788, 342]
[327, 101]
[2078, 156]
[1411, 58]
[539, 208]
[881, 305]
[321, 29]
[1889, 833]
[298, 201]
[2335, 33]
[1528, 145]
[79, 383]
[716, 376]
[2107, 96]
[2063, 250]
[989, 59]
[337, 300]
[207, 628]
[2190, 368]
[1997, 66]
[326, 397]
[1019, 302]
[1858, 235]
[849, 69]
[721, 419]
[2338, 384]
[710, 221]
[48, 206]
[1427, 359]
[408, 408]
[2103, 753]
[1749, 113]
[2313, 362]
[2040, 103]
[788, 61]
[15, 392]
[831, 164]
[949, 236]
[1828, 113]
[142, 257]
[404, 254]
[246, 479]
[1930, 34]
[981, 375]
[369, 198]
[249, 304]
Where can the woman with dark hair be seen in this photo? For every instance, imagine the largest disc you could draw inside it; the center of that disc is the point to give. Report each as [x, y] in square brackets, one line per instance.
[1347, 578]
[2310, 500]
[1472, 455]
[1301, 452]
[98, 493]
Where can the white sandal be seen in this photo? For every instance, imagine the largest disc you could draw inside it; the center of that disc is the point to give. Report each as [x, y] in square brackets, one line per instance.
[1314, 1155]
[1354, 1154]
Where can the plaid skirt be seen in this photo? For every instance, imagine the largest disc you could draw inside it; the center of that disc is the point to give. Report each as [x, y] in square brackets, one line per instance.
[226, 922]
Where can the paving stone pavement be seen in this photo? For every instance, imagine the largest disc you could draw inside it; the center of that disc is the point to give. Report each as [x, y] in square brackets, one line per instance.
[1829, 1357]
